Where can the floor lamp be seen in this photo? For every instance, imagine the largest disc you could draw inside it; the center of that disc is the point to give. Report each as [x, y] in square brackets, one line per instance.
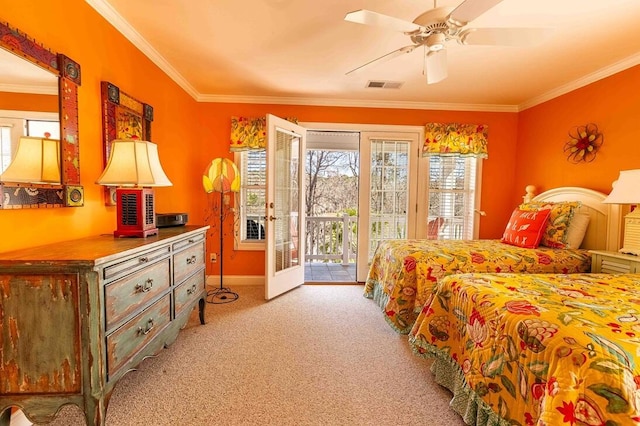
[221, 176]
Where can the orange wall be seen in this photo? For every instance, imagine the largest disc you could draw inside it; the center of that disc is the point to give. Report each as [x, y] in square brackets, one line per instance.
[28, 102]
[77, 30]
[613, 104]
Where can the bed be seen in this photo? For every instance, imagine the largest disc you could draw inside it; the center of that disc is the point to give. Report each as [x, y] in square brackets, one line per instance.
[403, 272]
[535, 349]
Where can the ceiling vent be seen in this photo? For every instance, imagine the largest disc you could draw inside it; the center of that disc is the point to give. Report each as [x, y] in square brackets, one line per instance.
[380, 84]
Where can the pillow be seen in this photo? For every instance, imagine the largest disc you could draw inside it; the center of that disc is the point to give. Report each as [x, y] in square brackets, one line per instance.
[555, 235]
[577, 228]
[525, 227]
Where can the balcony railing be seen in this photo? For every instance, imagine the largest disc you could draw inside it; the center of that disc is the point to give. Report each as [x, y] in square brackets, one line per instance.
[332, 238]
[327, 238]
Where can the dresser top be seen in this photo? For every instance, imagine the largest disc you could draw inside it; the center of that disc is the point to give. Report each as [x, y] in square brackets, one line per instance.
[95, 249]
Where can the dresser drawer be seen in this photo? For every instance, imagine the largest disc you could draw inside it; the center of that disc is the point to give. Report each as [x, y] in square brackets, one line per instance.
[188, 291]
[188, 241]
[123, 343]
[131, 293]
[187, 262]
[616, 266]
[611, 262]
[140, 261]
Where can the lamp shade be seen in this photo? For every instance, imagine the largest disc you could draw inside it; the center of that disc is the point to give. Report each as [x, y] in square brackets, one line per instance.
[133, 163]
[626, 190]
[221, 175]
[37, 160]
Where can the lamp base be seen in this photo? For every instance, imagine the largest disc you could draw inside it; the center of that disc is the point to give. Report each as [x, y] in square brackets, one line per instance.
[632, 252]
[136, 213]
[221, 295]
[632, 233]
[135, 234]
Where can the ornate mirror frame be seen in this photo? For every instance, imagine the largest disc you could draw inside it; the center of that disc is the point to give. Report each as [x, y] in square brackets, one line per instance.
[69, 193]
[123, 117]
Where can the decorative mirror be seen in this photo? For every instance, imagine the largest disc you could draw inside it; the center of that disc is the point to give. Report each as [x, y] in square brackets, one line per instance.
[19, 52]
[123, 117]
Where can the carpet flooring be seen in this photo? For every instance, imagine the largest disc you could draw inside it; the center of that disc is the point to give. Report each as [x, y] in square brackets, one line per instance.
[317, 355]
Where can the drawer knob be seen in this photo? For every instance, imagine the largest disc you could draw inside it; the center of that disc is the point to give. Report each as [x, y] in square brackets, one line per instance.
[191, 240]
[147, 328]
[146, 287]
[143, 259]
[192, 289]
[191, 260]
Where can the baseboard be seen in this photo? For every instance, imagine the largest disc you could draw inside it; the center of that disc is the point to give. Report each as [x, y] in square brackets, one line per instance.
[235, 280]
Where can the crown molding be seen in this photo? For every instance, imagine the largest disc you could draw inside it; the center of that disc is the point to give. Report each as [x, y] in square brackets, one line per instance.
[605, 72]
[360, 103]
[29, 115]
[114, 18]
[24, 88]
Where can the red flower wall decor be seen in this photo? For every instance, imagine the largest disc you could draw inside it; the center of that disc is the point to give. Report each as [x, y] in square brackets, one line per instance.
[584, 142]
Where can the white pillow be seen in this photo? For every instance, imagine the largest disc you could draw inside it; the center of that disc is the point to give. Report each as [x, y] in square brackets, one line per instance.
[577, 228]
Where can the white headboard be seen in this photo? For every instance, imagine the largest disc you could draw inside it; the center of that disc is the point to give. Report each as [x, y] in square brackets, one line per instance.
[605, 223]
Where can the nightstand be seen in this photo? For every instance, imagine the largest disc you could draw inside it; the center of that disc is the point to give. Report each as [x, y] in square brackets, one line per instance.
[612, 262]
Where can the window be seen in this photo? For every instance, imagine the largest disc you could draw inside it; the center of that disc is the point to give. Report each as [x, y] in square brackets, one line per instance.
[42, 127]
[452, 195]
[5, 147]
[251, 200]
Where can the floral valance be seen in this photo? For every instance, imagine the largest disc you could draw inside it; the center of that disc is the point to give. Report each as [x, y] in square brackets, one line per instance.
[455, 139]
[250, 133]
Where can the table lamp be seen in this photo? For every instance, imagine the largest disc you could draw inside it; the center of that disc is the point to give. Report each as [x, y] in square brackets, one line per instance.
[626, 190]
[134, 167]
[37, 160]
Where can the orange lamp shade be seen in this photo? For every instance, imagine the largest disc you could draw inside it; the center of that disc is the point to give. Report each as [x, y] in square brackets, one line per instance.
[221, 175]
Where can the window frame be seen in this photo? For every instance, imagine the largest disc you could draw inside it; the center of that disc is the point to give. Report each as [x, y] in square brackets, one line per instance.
[239, 215]
[423, 207]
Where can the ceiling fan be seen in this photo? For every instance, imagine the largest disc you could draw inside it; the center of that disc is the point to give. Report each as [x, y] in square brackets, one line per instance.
[435, 27]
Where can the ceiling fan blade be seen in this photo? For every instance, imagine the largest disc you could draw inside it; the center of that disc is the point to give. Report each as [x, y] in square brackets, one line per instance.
[368, 17]
[436, 64]
[388, 56]
[504, 36]
[469, 10]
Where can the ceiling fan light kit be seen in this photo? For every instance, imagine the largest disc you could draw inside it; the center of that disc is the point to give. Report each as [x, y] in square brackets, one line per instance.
[434, 28]
[435, 42]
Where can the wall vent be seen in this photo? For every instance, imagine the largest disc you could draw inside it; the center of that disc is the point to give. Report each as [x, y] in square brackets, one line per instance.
[380, 84]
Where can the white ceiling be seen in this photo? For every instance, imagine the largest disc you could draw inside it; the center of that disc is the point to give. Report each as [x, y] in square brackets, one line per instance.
[298, 51]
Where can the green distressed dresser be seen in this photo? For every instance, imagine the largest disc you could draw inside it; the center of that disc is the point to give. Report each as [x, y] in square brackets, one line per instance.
[78, 315]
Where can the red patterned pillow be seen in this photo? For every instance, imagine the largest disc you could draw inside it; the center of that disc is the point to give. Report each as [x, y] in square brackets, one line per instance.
[525, 228]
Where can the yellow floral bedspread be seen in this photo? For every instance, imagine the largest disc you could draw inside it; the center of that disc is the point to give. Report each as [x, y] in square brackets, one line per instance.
[403, 272]
[537, 349]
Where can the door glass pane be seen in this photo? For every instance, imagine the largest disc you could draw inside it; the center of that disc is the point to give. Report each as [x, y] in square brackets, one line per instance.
[287, 226]
[389, 185]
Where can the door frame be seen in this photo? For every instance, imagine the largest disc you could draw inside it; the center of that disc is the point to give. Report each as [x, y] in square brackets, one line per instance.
[279, 282]
[388, 131]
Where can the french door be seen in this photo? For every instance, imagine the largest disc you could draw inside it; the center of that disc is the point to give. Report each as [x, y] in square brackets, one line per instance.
[388, 192]
[284, 214]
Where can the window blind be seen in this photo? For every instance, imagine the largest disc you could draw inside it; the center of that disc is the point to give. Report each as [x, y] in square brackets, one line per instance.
[451, 197]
